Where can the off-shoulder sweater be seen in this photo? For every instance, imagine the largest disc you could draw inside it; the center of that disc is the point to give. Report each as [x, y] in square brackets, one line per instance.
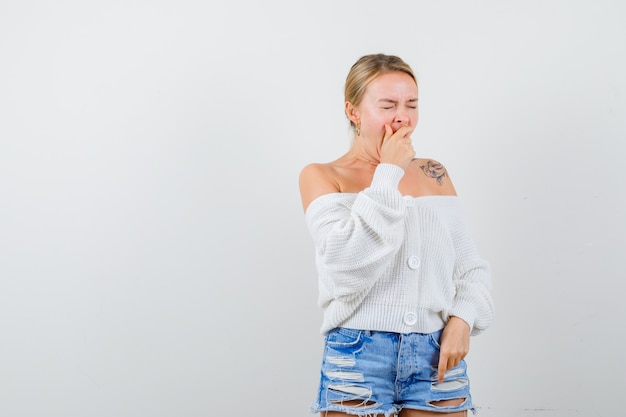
[397, 263]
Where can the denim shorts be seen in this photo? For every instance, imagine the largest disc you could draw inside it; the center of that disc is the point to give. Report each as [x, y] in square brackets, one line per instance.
[370, 372]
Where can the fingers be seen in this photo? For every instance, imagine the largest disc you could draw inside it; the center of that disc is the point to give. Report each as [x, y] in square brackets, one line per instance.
[454, 345]
[388, 133]
[397, 147]
[446, 362]
[403, 132]
[442, 368]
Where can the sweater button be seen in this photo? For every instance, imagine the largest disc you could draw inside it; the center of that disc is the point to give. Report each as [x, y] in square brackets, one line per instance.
[410, 318]
[414, 262]
[408, 200]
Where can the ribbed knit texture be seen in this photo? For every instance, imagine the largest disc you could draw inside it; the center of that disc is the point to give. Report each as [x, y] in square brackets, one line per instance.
[398, 264]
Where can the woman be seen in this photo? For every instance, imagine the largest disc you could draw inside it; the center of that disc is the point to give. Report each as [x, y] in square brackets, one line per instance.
[401, 283]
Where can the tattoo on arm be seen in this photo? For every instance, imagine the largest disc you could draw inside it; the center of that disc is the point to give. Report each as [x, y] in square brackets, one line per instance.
[434, 170]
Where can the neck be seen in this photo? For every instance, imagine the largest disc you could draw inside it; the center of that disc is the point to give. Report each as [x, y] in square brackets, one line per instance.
[359, 153]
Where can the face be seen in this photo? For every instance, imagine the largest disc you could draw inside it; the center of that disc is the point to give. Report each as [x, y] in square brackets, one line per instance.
[391, 98]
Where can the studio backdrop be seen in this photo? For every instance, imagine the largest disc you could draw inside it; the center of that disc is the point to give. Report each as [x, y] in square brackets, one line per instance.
[154, 259]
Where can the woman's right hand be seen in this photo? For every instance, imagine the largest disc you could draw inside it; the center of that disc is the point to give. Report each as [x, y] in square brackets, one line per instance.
[397, 148]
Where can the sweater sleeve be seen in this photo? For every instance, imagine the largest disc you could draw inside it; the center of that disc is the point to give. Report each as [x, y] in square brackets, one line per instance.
[472, 278]
[355, 243]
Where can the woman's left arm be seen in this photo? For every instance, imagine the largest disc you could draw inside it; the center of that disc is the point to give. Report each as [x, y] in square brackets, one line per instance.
[473, 307]
[471, 276]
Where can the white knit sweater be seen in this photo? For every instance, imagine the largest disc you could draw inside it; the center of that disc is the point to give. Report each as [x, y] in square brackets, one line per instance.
[398, 264]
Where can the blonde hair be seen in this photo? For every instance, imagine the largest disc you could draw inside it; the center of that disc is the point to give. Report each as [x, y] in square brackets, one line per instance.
[365, 69]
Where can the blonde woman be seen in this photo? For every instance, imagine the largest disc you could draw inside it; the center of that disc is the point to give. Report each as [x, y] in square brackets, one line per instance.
[401, 283]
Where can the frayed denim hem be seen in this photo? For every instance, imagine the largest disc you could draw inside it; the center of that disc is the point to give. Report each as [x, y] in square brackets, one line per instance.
[355, 411]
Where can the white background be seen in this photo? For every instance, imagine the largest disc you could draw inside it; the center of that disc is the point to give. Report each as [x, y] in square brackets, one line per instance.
[154, 259]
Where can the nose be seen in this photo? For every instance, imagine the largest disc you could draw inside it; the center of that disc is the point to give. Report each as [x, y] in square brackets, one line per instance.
[402, 118]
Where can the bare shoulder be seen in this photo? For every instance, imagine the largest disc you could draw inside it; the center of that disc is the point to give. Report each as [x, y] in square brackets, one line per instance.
[317, 179]
[435, 176]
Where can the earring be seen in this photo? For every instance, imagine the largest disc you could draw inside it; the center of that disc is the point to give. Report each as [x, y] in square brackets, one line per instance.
[358, 129]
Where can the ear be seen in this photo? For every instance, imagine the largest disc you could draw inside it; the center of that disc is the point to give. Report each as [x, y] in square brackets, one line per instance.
[352, 113]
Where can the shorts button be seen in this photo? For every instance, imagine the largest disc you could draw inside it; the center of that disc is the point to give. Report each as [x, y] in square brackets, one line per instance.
[410, 318]
[408, 200]
[414, 262]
